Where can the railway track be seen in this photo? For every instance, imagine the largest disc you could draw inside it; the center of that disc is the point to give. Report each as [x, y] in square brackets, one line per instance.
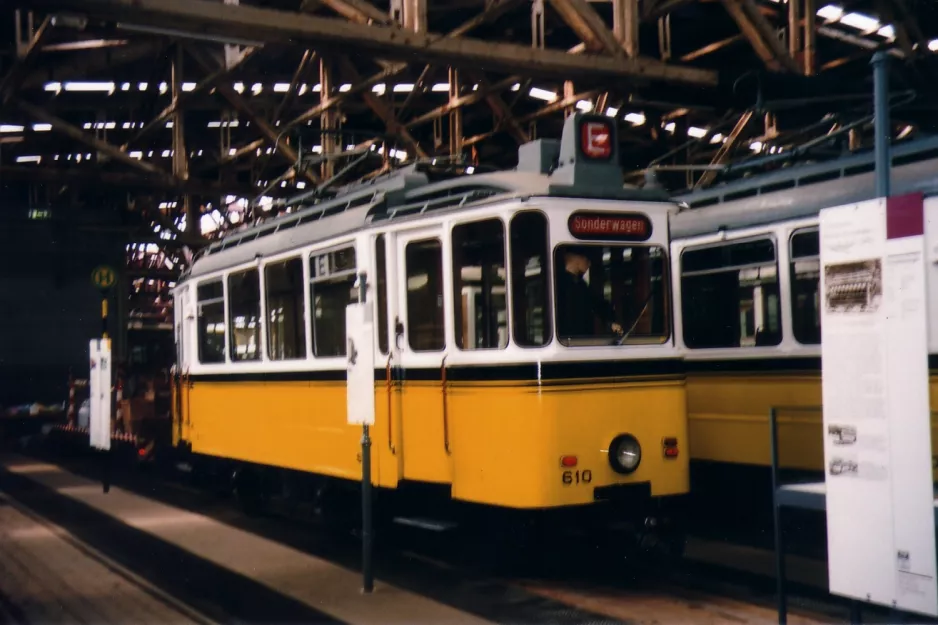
[568, 582]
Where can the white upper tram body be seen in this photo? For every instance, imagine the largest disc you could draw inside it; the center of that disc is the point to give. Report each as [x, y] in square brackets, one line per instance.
[408, 212]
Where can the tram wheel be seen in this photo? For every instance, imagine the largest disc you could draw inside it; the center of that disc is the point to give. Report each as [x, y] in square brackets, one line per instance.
[249, 490]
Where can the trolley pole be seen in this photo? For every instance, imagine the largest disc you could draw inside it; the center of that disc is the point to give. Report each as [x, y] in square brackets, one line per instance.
[883, 134]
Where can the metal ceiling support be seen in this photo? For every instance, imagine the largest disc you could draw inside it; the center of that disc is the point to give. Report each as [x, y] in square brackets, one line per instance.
[538, 26]
[601, 101]
[309, 56]
[415, 15]
[283, 149]
[494, 9]
[501, 110]
[726, 148]
[908, 33]
[625, 21]
[664, 37]
[711, 48]
[810, 38]
[455, 115]
[89, 63]
[63, 127]
[760, 34]
[14, 77]
[203, 19]
[653, 9]
[383, 110]
[588, 25]
[466, 100]
[550, 109]
[568, 92]
[794, 28]
[359, 11]
[330, 141]
[184, 97]
[180, 156]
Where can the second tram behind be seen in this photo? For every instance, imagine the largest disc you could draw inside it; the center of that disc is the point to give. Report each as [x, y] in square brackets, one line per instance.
[746, 261]
[486, 391]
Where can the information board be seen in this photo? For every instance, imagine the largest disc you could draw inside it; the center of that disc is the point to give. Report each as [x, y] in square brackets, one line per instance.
[360, 352]
[877, 427]
[99, 384]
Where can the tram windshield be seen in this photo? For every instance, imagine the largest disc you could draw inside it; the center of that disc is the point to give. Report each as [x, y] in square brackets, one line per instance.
[610, 295]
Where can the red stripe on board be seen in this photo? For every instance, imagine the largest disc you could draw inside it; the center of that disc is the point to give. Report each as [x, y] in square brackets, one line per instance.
[905, 216]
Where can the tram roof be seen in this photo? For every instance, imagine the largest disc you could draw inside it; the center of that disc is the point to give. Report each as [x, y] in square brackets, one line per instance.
[802, 191]
[408, 193]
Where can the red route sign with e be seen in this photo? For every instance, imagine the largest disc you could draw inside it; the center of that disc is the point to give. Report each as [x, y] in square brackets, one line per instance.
[596, 139]
[610, 226]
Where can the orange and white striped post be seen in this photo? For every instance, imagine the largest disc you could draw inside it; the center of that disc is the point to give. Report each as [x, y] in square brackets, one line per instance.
[70, 413]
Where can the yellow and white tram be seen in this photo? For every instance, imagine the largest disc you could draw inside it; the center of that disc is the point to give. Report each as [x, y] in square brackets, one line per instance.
[746, 259]
[480, 390]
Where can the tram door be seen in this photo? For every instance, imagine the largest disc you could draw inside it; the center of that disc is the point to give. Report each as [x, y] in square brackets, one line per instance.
[420, 343]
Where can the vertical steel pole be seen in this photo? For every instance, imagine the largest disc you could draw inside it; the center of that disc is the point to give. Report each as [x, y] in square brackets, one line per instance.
[881, 125]
[106, 468]
[368, 581]
[367, 573]
[777, 523]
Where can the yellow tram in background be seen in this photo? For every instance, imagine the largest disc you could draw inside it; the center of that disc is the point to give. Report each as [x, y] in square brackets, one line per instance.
[746, 262]
[485, 392]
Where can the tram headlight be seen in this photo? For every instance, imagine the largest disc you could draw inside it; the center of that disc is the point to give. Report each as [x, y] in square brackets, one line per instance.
[624, 453]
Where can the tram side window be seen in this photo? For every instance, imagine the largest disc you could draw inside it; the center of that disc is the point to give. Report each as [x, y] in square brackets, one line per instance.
[382, 266]
[244, 314]
[730, 295]
[332, 289]
[530, 312]
[805, 286]
[211, 306]
[286, 328]
[481, 308]
[611, 295]
[425, 320]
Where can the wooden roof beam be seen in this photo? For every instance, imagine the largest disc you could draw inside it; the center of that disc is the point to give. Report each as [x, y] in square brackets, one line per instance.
[756, 28]
[201, 18]
[589, 26]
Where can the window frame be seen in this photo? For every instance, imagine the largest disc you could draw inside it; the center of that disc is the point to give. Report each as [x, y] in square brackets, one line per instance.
[280, 260]
[452, 271]
[437, 236]
[261, 312]
[791, 276]
[665, 275]
[770, 236]
[223, 279]
[309, 290]
[385, 310]
[548, 272]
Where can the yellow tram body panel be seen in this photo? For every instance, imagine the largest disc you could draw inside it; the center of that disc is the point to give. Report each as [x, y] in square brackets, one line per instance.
[728, 418]
[505, 439]
[508, 441]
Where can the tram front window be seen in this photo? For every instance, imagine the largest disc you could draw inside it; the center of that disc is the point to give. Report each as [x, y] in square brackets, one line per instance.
[610, 295]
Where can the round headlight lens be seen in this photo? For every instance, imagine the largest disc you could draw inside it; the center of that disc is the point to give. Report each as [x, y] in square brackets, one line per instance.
[625, 454]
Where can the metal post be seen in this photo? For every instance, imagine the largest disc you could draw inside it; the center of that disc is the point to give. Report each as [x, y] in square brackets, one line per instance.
[106, 458]
[776, 522]
[367, 573]
[881, 128]
[856, 614]
[368, 581]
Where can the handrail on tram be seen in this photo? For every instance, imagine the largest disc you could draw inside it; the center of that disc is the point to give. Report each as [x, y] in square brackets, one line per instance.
[445, 412]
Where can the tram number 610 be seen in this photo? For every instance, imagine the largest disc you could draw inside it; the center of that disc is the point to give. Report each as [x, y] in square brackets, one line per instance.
[576, 477]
